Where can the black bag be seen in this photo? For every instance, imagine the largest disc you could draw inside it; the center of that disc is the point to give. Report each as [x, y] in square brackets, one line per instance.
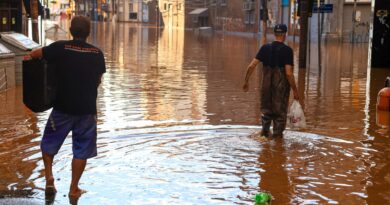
[39, 85]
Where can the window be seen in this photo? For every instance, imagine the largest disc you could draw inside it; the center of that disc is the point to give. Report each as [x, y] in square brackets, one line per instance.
[131, 7]
[133, 16]
[248, 6]
[224, 2]
[249, 17]
[195, 19]
[64, 6]
[179, 6]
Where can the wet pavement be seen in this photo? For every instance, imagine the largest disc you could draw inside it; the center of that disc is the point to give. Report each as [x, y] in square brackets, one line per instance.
[176, 128]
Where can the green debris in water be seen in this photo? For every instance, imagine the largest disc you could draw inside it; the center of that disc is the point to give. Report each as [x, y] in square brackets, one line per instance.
[263, 198]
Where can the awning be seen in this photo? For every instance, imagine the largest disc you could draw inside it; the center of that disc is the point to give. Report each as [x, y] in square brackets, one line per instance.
[200, 12]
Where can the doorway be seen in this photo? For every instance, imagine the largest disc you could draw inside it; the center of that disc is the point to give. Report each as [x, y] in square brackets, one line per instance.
[381, 35]
[10, 16]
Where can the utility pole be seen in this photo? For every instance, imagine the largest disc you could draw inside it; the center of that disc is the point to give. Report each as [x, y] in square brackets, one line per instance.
[34, 19]
[294, 20]
[353, 22]
[280, 11]
[319, 34]
[304, 18]
[264, 18]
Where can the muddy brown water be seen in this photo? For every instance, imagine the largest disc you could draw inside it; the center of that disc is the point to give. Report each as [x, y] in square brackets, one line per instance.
[175, 128]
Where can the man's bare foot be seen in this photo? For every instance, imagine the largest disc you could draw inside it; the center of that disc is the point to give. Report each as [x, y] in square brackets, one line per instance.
[77, 192]
[50, 188]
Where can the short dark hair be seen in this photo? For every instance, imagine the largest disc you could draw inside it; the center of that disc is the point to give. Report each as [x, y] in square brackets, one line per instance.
[80, 27]
[280, 34]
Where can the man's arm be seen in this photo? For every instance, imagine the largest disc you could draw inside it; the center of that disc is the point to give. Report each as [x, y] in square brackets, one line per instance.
[291, 80]
[100, 79]
[249, 72]
[36, 54]
[102, 67]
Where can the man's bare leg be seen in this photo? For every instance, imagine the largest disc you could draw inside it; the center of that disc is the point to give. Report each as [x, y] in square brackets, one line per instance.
[78, 166]
[48, 162]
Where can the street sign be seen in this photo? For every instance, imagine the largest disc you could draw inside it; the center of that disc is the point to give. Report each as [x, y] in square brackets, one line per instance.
[325, 8]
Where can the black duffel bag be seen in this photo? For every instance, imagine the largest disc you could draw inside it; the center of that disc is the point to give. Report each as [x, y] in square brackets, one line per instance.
[39, 85]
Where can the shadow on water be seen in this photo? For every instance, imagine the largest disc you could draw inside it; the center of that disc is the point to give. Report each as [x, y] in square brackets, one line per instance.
[176, 128]
[274, 178]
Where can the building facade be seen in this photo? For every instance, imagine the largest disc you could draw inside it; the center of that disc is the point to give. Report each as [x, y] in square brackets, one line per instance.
[172, 13]
[349, 21]
[235, 16]
[139, 11]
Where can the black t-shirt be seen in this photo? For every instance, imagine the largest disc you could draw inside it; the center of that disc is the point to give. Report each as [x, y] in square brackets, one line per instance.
[79, 66]
[275, 54]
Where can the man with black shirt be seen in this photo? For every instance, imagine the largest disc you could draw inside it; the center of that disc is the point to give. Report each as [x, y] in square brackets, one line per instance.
[79, 68]
[278, 78]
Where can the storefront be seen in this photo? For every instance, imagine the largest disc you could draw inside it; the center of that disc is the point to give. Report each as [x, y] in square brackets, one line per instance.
[356, 21]
[11, 15]
[381, 35]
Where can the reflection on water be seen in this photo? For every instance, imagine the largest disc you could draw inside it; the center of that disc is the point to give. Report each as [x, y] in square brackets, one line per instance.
[176, 128]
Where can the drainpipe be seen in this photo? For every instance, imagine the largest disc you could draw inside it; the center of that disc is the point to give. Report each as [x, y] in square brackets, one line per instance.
[319, 34]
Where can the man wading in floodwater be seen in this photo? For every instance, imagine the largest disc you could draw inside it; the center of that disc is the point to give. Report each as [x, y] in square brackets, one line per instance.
[79, 67]
[278, 62]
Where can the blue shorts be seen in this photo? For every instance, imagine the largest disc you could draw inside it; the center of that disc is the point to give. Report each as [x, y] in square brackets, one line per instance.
[83, 129]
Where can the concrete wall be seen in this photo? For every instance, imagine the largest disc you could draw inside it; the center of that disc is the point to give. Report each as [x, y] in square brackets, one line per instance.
[333, 24]
[7, 72]
[3, 79]
[14, 65]
[19, 70]
[338, 24]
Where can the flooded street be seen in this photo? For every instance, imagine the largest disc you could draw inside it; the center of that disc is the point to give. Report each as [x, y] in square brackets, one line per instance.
[175, 127]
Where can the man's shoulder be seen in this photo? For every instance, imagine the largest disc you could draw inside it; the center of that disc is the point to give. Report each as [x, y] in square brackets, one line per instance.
[93, 47]
[56, 43]
[287, 48]
[266, 47]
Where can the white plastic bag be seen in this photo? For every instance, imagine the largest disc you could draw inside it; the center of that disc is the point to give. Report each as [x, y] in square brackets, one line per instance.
[296, 118]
